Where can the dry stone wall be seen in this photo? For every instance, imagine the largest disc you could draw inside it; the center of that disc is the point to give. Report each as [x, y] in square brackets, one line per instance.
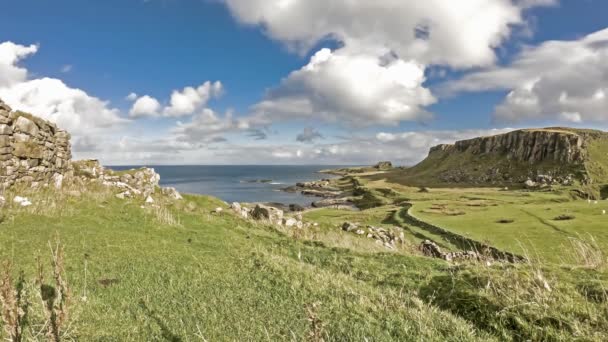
[32, 150]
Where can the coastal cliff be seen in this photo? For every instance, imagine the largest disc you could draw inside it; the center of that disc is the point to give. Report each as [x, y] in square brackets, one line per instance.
[553, 155]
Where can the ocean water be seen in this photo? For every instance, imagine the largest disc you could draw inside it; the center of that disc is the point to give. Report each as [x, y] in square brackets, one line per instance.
[233, 183]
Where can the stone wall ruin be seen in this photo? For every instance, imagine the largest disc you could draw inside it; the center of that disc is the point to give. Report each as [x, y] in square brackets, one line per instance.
[32, 150]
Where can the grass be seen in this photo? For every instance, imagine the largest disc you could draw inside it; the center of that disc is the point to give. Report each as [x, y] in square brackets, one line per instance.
[176, 272]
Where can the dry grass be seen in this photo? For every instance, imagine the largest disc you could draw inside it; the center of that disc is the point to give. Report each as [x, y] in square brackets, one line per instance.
[55, 299]
[14, 304]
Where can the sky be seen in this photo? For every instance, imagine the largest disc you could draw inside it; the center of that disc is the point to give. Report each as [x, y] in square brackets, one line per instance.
[300, 81]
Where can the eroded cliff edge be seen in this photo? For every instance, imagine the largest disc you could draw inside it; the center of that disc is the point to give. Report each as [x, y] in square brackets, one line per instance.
[553, 155]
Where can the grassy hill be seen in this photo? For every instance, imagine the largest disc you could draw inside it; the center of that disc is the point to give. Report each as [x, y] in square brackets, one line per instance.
[505, 166]
[174, 271]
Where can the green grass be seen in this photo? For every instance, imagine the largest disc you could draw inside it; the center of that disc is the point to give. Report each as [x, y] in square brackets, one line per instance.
[180, 273]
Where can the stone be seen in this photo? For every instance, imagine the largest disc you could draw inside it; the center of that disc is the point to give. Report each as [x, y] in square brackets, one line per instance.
[530, 184]
[236, 206]
[289, 222]
[172, 193]
[5, 140]
[149, 200]
[123, 195]
[218, 210]
[27, 150]
[384, 165]
[22, 201]
[263, 212]
[5, 129]
[349, 227]
[2, 201]
[25, 125]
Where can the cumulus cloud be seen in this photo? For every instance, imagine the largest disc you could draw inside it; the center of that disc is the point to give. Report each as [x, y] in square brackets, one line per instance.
[10, 55]
[351, 89]
[190, 99]
[182, 103]
[376, 76]
[563, 80]
[145, 106]
[309, 135]
[70, 108]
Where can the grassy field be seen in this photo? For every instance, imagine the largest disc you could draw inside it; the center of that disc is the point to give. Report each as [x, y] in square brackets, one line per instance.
[176, 272]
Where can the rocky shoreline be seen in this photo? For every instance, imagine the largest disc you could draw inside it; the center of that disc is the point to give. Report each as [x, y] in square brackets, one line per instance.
[329, 195]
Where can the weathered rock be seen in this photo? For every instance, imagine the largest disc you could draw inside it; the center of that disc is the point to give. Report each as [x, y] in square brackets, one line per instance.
[149, 200]
[349, 227]
[429, 248]
[263, 212]
[27, 126]
[172, 193]
[290, 222]
[384, 165]
[296, 207]
[2, 201]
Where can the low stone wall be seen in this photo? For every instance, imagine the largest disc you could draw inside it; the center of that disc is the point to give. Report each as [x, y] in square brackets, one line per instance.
[32, 150]
[459, 240]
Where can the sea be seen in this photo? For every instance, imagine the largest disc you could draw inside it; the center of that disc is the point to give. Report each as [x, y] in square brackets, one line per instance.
[240, 183]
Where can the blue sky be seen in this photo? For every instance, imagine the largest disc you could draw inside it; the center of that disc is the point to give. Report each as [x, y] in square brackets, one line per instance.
[260, 50]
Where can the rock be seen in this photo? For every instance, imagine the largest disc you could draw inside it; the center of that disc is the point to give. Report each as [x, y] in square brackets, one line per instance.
[384, 165]
[2, 201]
[22, 201]
[149, 200]
[263, 212]
[27, 126]
[349, 227]
[360, 232]
[172, 193]
[296, 207]
[235, 206]
[530, 184]
[429, 248]
[123, 195]
[57, 180]
[218, 210]
[290, 222]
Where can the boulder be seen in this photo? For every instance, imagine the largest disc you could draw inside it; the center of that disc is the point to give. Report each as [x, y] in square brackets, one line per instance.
[296, 207]
[57, 180]
[149, 200]
[263, 212]
[349, 227]
[2, 201]
[384, 165]
[530, 184]
[290, 222]
[172, 193]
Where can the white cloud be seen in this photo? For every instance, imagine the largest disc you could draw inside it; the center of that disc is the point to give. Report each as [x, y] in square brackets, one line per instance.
[70, 108]
[131, 97]
[10, 55]
[145, 106]
[563, 80]
[190, 99]
[376, 76]
[424, 31]
[352, 89]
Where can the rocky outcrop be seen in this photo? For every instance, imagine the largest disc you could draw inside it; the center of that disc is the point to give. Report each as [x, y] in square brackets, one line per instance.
[32, 150]
[549, 156]
[384, 165]
[531, 146]
[142, 182]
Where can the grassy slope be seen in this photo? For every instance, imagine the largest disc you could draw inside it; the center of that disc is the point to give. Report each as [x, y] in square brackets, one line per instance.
[218, 277]
[184, 274]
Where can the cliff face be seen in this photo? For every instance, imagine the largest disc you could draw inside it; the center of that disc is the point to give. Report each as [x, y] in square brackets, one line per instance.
[31, 149]
[551, 155]
[531, 146]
